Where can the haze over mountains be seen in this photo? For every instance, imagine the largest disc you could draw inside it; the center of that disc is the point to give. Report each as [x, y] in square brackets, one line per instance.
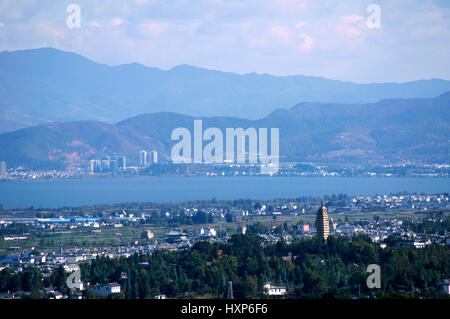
[45, 85]
[389, 130]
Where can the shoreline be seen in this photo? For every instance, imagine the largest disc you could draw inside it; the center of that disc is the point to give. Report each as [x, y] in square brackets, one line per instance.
[206, 176]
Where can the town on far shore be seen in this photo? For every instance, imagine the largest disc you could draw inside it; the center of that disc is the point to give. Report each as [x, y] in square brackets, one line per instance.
[149, 164]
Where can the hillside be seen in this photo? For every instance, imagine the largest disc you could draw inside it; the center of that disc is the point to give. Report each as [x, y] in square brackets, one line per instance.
[46, 85]
[67, 144]
[390, 130]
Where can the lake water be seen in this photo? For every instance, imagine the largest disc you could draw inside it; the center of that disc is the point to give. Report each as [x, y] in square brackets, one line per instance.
[60, 193]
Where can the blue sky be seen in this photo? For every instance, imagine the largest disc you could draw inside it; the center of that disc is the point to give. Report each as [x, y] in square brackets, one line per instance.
[326, 38]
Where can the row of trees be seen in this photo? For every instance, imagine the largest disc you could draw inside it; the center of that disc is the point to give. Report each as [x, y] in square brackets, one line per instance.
[439, 224]
[15, 229]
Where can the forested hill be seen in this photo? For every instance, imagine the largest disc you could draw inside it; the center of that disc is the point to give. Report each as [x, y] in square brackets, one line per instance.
[308, 268]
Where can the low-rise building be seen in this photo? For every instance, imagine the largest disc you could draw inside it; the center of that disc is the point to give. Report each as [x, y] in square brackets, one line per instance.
[106, 290]
[272, 290]
[176, 237]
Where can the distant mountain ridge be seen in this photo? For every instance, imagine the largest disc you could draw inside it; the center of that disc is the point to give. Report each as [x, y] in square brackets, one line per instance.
[46, 85]
[389, 130]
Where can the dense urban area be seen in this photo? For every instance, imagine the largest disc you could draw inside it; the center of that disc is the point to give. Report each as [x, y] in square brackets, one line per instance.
[229, 249]
[149, 165]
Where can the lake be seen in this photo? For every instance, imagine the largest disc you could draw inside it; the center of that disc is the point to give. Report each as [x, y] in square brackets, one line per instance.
[77, 192]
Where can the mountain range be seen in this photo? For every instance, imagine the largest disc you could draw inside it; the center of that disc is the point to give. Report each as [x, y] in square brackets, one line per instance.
[47, 85]
[386, 131]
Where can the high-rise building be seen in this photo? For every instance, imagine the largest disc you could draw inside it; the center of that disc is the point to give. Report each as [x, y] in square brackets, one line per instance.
[106, 163]
[114, 164]
[143, 158]
[122, 160]
[322, 223]
[118, 162]
[97, 165]
[2, 169]
[154, 157]
[92, 165]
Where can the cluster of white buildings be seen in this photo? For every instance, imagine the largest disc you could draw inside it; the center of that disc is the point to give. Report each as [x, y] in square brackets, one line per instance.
[147, 158]
[108, 164]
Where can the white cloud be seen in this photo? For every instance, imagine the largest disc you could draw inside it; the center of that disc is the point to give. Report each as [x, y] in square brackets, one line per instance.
[49, 30]
[352, 19]
[17, 10]
[281, 32]
[307, 44]
[116, 22]
[291, 4]
[244, 36]
[94, 24]
[348, 31]
[152, 28]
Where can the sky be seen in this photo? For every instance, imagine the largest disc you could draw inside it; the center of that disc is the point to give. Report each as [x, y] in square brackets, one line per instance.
[326, 38]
